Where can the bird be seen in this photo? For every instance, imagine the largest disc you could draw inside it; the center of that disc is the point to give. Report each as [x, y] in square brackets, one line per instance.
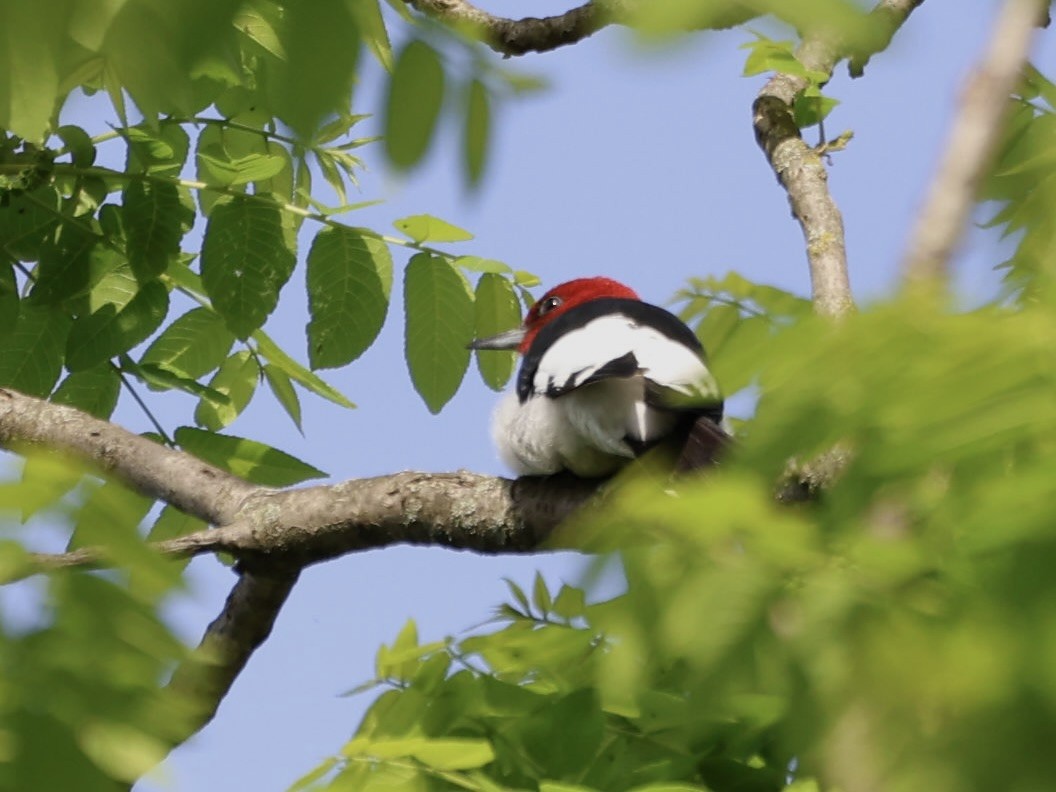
[604, 377]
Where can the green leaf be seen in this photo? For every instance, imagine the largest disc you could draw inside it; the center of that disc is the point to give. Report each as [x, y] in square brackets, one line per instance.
[372, 29]
[245, 262]
[454, 754]
[426, 228]
[94, 390]
[298, 373]
[31, 66]
[237, 379]
[108, 332]
[495, 309]
[173, 523]
[159, 378]
[27, 220]
[440, 754]
[518, 595]
[151, 214]
[811, 107]
[349, 282]
[416, 92]
[478, 264]
[541, 595]
[767, 55]
[566, 737]
[193, 345]
[526, 279]
[253, 461]
[78, 144]
[9, 301]
[66, 263]
[241, 170]
[280, 385]
[31, 354]
[439, 324]
[570, 603]
[157, 150]
[321, 39]
[477, 129]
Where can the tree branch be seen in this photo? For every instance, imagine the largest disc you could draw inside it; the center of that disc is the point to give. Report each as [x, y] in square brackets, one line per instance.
[801, 172]
[187, 483]
[276, 530]
[799, 167]
[970, 146]
[886, 18]
[230, 640]
[519, 36]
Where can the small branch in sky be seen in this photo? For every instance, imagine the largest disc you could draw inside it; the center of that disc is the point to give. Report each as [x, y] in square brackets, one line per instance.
[970, 146]
[801, 172]
[886, 18]
[519, 36]
[800, 168]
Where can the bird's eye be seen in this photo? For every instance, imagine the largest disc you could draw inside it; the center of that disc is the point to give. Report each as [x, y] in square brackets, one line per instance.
[549, 304]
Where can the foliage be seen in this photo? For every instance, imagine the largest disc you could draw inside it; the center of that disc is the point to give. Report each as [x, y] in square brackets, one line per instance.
[871, 639]
[895, 634]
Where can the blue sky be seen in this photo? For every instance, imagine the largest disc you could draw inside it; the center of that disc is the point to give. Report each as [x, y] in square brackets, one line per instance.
[638, 163]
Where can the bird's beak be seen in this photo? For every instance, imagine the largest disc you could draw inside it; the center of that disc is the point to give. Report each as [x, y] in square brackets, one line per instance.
[511, 339]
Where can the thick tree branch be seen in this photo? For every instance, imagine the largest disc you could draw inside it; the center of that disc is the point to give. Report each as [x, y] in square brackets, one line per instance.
[299, 527]
[531, 34]
[275, 534]
[187, 483]
[973, 136]
[242, 626]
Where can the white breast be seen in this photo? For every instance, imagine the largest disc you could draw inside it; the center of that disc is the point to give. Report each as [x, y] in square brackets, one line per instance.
[583, 431]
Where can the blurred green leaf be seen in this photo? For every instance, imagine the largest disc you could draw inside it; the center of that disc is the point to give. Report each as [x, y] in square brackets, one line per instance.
[477, 130]
[321, 40]
[416, 92]
[9, 301]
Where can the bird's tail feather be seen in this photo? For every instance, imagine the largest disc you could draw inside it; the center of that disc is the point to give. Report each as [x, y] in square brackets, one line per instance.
[705, 444]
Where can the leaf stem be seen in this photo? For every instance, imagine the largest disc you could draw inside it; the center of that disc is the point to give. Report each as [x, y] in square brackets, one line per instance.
[143, 406]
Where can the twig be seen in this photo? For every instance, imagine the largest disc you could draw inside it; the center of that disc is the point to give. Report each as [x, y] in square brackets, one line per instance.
[801, 172]
[970, 146]
[519, 36]
[800, 169]
[886, 18]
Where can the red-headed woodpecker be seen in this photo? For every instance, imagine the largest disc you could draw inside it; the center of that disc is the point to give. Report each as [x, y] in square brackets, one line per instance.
[604, 377]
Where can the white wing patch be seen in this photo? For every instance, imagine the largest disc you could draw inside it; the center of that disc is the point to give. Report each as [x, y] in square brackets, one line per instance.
[578, 355]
